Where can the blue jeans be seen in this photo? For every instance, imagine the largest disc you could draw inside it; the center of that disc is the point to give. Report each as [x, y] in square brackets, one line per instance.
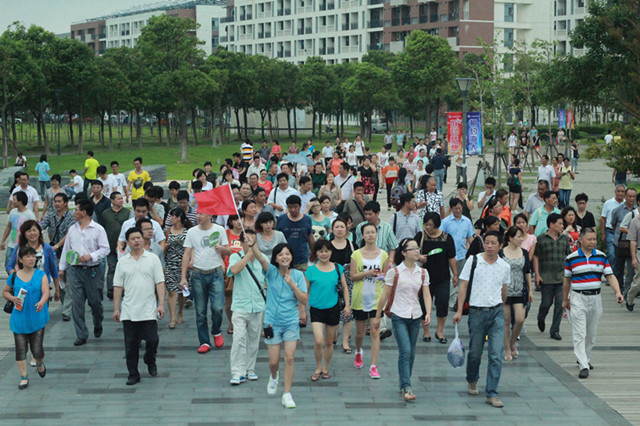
[565, 197]
[611, 250]
[439, 175]
[406, 331]
[486, 323]
[208, 288]
[7, 256]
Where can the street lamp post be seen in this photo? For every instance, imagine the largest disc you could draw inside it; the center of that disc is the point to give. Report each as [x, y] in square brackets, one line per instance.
[494, 93]
[464, 84]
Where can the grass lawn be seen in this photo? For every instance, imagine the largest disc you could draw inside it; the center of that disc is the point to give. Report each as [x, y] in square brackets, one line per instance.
[152, 152]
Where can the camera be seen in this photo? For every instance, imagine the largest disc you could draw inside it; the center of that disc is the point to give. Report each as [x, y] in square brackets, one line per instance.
[268, 332]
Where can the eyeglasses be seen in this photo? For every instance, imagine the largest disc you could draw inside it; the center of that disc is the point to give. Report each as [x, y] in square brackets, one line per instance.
[411, 249]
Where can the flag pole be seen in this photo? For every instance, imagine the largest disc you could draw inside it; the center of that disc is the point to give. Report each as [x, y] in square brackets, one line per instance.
[236, 207]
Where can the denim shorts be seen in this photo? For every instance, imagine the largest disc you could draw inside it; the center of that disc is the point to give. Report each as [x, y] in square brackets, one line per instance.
[284, 333]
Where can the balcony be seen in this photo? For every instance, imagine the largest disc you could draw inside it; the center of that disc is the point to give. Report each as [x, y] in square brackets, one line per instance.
[395, 3]
[375, 24]
[300, 31]
[249, 16]
[280, 54]
[433, 18]
[325, 29]
[223, 39]
[308, 30]
[345, 27]
[260, 35]
[331, 6]
[423, 19]
[560, 33]
[322, 51]
[374, 2]
[322, 7]
[306, 9]
[232, 38]
[227, 19]
[406, 20]
[305, 52]
[242, 17]
[103, 36]
[281, 33]
[354, 25]
[280, 13]
[453, 16]
[287, 53]
[331, 50]
[287, 11]
[267, 34]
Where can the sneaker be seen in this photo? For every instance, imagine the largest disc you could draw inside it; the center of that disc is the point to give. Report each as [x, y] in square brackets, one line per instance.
[252, 376]
[494, 401]
[272, 386]
[287, 401]
[204, 348]
[237, 380]
[357, 363]
[584, 373]
[188, 304]
[629, 307]
[472, 388]
[218, 340]
[386, 333]
[373, 372]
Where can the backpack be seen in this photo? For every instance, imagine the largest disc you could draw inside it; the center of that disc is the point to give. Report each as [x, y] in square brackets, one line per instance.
[396, 193]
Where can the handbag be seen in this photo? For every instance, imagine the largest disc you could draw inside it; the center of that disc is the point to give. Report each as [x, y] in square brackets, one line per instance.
[8, 307]
[387, 309]
[341, 302]
[465, 306]
[624, 245]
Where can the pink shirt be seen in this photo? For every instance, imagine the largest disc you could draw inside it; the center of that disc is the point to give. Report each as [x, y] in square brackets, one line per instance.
[405, 301]
[529, 242]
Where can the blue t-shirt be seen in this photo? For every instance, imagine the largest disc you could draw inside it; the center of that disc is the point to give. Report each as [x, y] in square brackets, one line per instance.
[42, 168]
[323, 287]
[28, 320]
[297, 234]
[282, 305]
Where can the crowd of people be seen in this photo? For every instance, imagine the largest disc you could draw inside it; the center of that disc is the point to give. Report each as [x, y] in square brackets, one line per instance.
[308, 231]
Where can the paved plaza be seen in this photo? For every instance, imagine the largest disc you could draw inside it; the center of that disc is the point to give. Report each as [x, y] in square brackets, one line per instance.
[86, 385]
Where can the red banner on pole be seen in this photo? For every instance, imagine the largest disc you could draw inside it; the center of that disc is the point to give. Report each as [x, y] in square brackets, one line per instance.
[570, 119]
[454, 132]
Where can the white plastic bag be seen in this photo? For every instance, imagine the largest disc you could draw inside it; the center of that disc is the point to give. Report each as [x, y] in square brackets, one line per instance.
[455, 354]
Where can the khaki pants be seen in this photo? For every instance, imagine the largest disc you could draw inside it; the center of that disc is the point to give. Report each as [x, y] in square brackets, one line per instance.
[584, 316]
[246, 338]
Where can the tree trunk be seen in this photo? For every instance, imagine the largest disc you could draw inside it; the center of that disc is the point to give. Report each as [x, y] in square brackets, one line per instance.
[319, 125]
[313, 123]
[369, 131]
[13, 125]
[71, 143]
[246, 124]
[101, 131]
[289, 121]
[212, 120]
[47, 145]
[130, 127]
[183, 134]
[270, 125]
[110, 125]
[237, 113]
[159, 123]
[263, 115]
[193, 126]
[295, 124]
[138, 130]
[80, 119]
[168, 131]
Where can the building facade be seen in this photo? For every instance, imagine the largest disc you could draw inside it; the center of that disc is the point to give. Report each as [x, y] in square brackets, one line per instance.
[93, 33]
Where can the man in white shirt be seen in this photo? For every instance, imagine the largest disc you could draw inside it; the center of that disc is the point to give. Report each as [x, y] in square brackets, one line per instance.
[140, 210]
[306, 193]
[345, 181]
[109, 183]
[327, 153]
[388, 140]
[488, 193]
[120, 179]
[85, 246]
[536, 200]
[32, 195]
[204, 248]
[278, 197]
[608, 138]
[75, 186]
[256, 166]
[607, 232]
[491, 276]
[545, 171]
[139, 273]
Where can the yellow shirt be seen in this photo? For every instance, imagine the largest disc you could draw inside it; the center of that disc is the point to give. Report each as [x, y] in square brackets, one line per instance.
[137, 182]
[91, 164]
[366, 292]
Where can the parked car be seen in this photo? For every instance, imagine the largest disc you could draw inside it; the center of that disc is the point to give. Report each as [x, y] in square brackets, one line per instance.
[379, 124]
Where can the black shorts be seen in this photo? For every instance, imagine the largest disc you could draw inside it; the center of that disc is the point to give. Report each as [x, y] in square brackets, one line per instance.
[439, 292]
[330, 316]
[359, 315]
[512, 300]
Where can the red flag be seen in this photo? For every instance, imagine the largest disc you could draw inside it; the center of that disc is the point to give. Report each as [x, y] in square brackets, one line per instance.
[217, 201]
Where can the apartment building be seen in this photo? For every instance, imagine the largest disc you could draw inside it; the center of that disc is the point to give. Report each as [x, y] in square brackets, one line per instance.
[123, 28]
[567, 15]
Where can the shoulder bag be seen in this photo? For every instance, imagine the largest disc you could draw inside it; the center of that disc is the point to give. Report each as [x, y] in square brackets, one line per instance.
[465, 306]
[8, 307]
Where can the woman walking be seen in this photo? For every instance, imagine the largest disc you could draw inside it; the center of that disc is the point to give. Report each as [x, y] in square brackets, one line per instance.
[571, 228]
[566, 185]
[43, 175]
[28, 289]
[519, 290]
[325, 203]
[514, 181]
[320, 223]
[174, 250]
[331, 190]
[268, 237]
[438, 266]
[367, 268]
[366, 172]
[50, 194]
[249, 212]
[341, 251]
[530, 240]
[405, 282]
[287, 292]
[324, 279]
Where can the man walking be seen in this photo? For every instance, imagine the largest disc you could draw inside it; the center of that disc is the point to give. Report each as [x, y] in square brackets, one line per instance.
[355, 205]
[81, 265]
[280, 193]
[583, 272]
[112, 220]
[405, 223]
[461, 230]
[538, 221]
[622, 266]
[606, 230]
[205, 245]
[550, 253]
[30, 191]
[139, 274]
[536, 200]
[121, 180]
[140, 210]
[546, 171]
[98, 200]
[137, 179]
[491, 276]
[58, 223]
[297, 229]
[90, 171]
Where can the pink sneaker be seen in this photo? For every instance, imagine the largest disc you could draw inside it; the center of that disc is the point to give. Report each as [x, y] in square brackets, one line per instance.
[373, 372]
[218, 340]
[358, 361]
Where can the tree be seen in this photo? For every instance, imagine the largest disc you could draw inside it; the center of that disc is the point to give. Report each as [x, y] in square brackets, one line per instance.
[290, 95]
[313, 83]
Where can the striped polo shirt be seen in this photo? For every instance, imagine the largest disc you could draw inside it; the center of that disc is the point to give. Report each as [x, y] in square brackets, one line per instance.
[586, 271]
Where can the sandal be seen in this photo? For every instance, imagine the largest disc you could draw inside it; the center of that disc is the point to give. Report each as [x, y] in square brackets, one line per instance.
[229, 330]
[315, 376]
[508, 357]
[326, 375]
[408, 396]
[514, 353]
[426, 339]
[21, 385]
[347, 350]
[179, 320]
[172, 325]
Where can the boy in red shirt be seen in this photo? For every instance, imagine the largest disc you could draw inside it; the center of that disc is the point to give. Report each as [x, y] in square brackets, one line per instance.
[390, 174]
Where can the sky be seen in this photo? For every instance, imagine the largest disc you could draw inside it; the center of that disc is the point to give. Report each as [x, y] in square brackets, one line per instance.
[57, 15]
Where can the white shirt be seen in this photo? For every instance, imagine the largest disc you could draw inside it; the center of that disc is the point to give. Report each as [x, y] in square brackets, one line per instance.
[122, 182]
[327, 151]
[32, 195]
[607, 208]
[488, 280]
[405, 301]
[608, 138]
[546, 173]
[77, 188]
[138, 278]
[91, 240]
[279, 197]
[158, 235]
[306, 197]
[434, 136]
[359, 148]
[108, 185]
[255, 169]
[512, 140]
[202, 242]
[347, 189]
[481, 194]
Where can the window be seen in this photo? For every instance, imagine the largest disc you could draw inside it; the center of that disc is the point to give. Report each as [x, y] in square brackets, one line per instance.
[508, 37]
[508, 12]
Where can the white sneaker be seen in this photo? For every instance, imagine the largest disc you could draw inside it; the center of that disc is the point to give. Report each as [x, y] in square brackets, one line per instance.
[272, 386]
[236, 381]
[287, 401]
[251, 376]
